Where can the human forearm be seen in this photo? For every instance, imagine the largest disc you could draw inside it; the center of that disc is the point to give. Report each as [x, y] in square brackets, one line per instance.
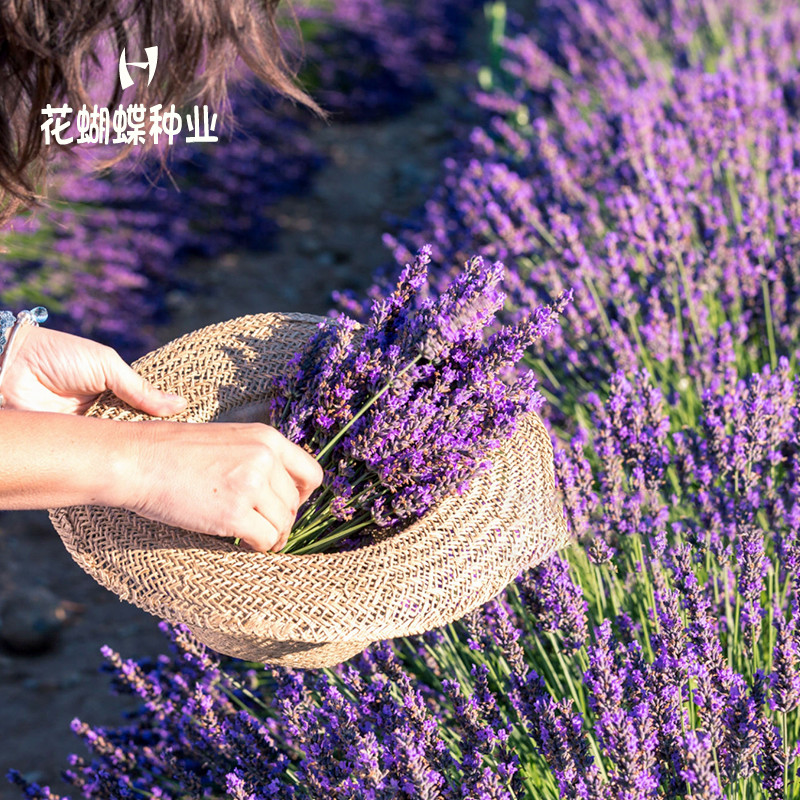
[229, 479]
[61, 460]
[239, 480]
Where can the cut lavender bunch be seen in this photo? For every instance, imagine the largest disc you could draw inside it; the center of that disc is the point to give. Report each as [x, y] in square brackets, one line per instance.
[403, 411]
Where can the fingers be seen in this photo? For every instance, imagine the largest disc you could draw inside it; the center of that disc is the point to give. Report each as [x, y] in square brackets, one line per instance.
[264, 488]
[137, 392]
[257, 532]
[268, 526]
[282, 511]
[304, 470]
[285, 476]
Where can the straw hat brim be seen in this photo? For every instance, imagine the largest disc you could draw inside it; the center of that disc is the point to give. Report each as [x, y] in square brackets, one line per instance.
[311, 610]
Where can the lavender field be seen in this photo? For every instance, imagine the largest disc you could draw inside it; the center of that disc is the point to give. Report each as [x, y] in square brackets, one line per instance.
[644, 156]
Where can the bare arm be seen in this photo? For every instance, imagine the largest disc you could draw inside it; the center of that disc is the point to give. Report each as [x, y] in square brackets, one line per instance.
[240, 480]
[55, 459]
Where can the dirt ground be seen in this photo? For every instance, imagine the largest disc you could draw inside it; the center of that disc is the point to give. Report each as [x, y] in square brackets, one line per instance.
[331, 239]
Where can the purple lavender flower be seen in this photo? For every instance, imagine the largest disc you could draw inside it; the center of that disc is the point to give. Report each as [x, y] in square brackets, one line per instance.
[563, 743]
[785, 678]
[697, 767]
[409, 408]
[554, 602]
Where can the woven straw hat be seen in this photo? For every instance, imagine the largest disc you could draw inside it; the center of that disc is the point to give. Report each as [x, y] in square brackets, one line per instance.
[311, 610]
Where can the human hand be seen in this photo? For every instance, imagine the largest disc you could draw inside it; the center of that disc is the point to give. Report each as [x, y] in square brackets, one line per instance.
[53, 371]
[242, 480]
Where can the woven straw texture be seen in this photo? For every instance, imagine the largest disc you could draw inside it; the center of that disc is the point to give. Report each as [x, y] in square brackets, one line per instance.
[311, 610]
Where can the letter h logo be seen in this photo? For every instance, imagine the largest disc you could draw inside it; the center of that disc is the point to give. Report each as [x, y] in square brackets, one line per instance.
[152, 59]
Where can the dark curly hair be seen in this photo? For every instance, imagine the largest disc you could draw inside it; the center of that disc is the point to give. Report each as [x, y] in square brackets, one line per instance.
[49, 50]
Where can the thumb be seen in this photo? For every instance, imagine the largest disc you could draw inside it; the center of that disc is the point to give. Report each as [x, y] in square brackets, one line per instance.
[140, 393]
